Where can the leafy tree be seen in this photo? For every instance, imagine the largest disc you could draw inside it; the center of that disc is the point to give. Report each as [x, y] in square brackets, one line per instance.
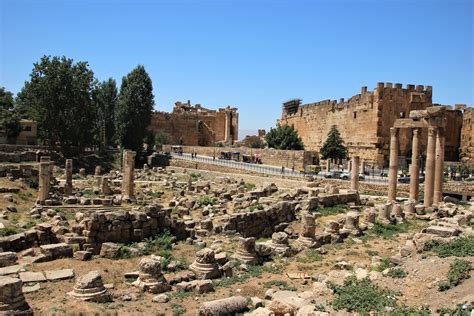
[257, 143]
[134, 108]
[162, 138]
[284, 137]
[9, 119]
[104, 99]
[333, 147]
[58, 98]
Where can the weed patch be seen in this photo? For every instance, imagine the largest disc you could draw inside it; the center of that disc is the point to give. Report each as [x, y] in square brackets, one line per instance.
[333, 210]
[459, 271]
[459, 247]
[361, 296]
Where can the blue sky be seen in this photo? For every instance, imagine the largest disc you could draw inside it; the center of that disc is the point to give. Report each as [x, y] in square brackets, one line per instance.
[250, 54]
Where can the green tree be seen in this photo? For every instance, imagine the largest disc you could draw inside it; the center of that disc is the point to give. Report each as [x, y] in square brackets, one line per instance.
[134, 108]
[257, 143]
[9, 119]
[58, 98]
[162, 138]
[333, 147]
[284, 137]
[104, 99]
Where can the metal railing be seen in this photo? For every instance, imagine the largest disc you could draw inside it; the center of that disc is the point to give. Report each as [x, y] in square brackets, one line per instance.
[264, 169]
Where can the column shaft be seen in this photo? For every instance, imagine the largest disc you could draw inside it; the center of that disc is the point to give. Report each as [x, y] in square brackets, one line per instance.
[415, 166]
[355, 173]
[430, 167]
[393, 165]
[439, 167]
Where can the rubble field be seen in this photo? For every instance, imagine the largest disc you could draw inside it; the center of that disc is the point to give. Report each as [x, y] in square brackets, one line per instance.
[174, 241]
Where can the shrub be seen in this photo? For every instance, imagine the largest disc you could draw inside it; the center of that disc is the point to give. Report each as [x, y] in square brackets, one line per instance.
[206, 200]
[387, 231]
[255, 207]
[32, 183]
[459, 271]
[361, 296]
[384, 264]
[249, 186]
[397, 273]
[195, 175]
[8, 231]
[178, 310]
[459, 247]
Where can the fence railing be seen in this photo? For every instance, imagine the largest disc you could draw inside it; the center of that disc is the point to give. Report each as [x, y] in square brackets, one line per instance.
[264, 169]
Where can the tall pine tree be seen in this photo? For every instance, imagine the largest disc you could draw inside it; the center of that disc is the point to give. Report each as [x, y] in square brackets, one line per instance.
[104, 98]
[333, 147]
[134, 109]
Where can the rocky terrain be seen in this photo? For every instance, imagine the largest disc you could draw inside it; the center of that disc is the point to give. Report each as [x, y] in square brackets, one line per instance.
[184, 242]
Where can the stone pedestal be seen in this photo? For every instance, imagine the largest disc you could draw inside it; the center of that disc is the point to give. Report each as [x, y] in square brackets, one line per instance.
[150, 278]
[439, 167]
[370, 216]
[280, 245]
[409, 208]
[430, 167]
[397, 213]
[415, 167]
[68, 184]
[90, 288]
[308, 230]
[205, 266]
[105, 187]
[393, 167]
[385, 214]
[12, 300]
[246, 251]
[351, 223]
[355, 173]
[98, 171]
[128, 185]
[44, 181]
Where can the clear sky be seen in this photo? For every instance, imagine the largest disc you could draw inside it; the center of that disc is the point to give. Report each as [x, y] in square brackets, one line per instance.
[253, 55]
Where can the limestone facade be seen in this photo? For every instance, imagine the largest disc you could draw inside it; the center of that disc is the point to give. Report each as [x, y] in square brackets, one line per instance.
[364, 121]
[467, 136]
[195, 125]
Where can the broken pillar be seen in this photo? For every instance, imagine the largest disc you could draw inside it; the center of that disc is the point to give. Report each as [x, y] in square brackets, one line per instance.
[355, 173]
[43, 181]
[68, 184]
[128, 186]
[393, 166]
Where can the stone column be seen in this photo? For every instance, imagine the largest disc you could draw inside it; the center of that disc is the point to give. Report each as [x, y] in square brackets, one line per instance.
[43, 181]
[355, 173]
[328, 165]
[393, 165]
[430, 166]
[68, 185]
[362, 166]
[439, 167]
[415, 167]
[128, 185]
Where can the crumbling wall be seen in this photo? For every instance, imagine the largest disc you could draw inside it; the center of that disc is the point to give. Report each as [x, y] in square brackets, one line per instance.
[260, 223]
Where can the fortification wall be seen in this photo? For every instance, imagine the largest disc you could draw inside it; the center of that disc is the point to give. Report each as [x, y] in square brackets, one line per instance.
[467, 136]
[365, 119]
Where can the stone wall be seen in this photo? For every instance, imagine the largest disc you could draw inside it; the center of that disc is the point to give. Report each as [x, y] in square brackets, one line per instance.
[467, 136]
[260, 223]
[127, 226]
[197, 126]
[42, 234]
[269, 156]
[364, 121]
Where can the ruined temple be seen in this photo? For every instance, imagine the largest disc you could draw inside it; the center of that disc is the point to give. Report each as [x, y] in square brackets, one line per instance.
[194, 125]
[364, 121]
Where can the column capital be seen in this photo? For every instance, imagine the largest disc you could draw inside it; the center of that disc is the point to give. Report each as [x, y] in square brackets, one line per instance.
[393, 131]
[432, 130]
[416, 132]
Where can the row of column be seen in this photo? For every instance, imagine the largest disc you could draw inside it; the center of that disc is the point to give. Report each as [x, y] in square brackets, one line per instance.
[46, 168]
[433, 189]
